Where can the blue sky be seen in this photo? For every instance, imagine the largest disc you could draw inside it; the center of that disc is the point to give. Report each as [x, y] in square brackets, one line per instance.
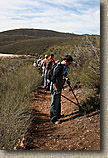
[72, 16]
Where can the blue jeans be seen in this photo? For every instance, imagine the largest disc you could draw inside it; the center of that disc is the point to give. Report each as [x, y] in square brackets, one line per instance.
[45, 78]
[55, 109]
[49, 82]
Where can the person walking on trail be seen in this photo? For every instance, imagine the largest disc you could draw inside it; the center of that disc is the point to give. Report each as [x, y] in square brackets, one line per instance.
[48, 64]
[57, 82]
[35, 63]
[43, 66]
[39, 62]
[51, 63]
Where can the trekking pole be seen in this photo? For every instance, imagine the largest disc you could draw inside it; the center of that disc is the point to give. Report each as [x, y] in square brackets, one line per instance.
[74, 94]
[70, 100]
[68, 82]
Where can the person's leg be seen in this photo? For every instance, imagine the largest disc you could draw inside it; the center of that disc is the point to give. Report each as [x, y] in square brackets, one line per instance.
[59, 107]
[48, 88]
[43, 71]
[55, 108]
[53, 117]
[45, 78]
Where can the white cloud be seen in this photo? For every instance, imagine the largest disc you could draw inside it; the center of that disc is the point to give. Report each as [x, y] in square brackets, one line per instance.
[77, 16]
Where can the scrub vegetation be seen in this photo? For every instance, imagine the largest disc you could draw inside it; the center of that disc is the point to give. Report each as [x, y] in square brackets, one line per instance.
[19, 79]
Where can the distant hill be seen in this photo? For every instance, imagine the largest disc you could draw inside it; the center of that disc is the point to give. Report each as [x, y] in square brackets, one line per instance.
[36, 33]
[36, 41]
[85, 34]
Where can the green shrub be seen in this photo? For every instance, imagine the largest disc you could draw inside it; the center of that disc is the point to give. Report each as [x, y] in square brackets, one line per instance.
[85, 72]
[15, 110]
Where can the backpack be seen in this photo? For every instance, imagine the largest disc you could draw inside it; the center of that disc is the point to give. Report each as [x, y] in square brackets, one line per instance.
[51, 71]
[48, 64]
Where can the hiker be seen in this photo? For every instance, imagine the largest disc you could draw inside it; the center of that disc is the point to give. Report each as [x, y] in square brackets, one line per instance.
[43, 66]
[35, 63]
[48, 64]
[51, 63]
[56, 88]
[39, 62]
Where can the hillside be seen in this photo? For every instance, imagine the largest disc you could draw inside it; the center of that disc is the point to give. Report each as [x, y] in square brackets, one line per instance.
[36, 33]
[25, 105]
[35, 41]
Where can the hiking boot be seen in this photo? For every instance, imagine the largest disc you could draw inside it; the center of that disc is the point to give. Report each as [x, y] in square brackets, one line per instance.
[57, 122]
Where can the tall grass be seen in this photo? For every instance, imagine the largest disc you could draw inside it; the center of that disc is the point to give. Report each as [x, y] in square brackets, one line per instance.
[16, 87]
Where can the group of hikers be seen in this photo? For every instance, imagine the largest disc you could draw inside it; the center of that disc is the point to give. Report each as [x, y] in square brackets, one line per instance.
[54, 74]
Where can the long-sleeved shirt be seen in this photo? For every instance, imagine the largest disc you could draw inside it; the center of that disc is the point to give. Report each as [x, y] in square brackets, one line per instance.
[52, 61]
[58, 76]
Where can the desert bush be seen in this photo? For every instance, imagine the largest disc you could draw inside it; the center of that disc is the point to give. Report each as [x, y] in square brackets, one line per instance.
[85, 72]
[16, 87]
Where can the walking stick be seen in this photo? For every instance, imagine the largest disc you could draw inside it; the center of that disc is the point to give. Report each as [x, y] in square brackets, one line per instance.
[74, 94]
[68, 82]
[70, 100]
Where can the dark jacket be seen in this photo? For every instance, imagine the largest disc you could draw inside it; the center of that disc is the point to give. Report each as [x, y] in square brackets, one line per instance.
[58, 76]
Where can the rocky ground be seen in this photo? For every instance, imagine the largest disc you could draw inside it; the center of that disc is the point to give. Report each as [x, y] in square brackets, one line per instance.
[76, 132]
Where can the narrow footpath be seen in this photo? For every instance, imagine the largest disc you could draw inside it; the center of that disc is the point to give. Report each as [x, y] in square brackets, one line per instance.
[76, 132]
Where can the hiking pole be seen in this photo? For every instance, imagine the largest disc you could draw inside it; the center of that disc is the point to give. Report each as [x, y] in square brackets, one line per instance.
[70, 100]
[68, 82]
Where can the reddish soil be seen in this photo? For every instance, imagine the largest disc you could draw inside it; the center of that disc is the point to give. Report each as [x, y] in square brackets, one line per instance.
[76, 132]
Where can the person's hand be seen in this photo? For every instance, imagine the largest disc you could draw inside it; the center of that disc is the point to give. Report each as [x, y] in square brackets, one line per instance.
[56, 92]
[68, 81]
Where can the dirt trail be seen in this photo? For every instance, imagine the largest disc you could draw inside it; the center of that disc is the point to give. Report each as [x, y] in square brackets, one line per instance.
[12, 55]
[74, 133]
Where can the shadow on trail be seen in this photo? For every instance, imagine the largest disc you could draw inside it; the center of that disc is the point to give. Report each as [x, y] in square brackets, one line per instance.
[72, 114]
[93, 113]
[40, 94]
[39, 130]
[42, 130]
[78, 114]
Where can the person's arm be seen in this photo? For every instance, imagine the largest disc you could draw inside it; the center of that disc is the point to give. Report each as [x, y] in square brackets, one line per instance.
[44, 62]
[53, 62]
